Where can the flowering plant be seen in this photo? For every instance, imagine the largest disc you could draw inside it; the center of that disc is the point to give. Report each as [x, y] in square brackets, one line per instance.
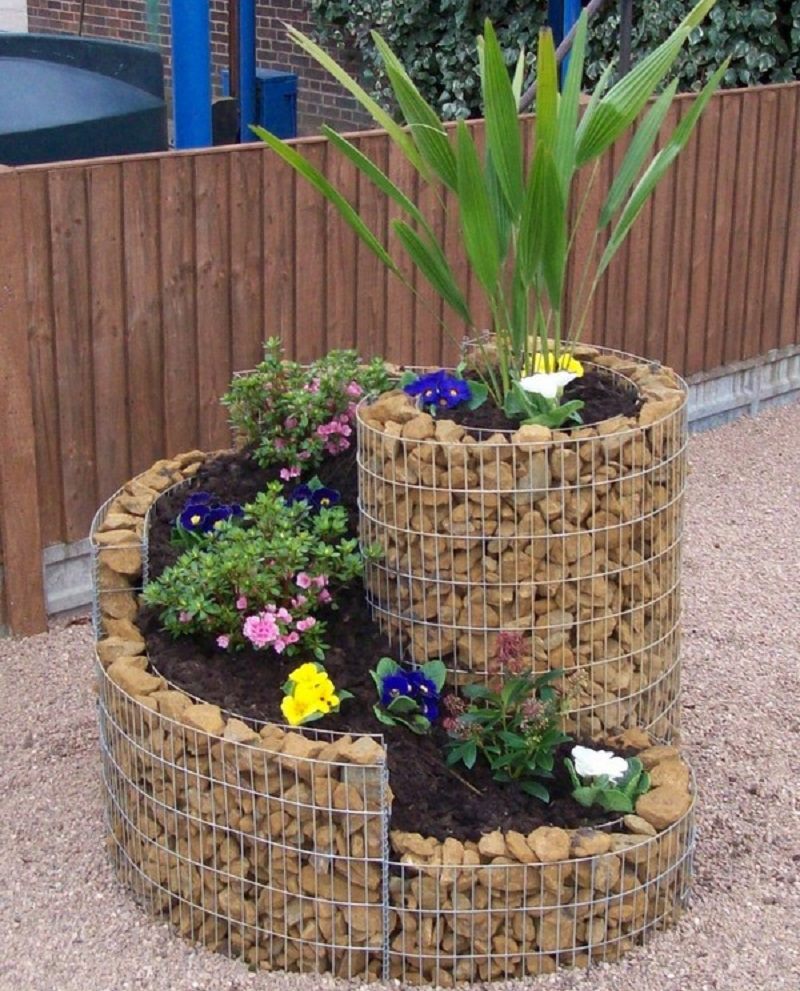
[439, 390]
[408, 698]
[200, 516]
[513, 726]
[294, 415]
[309, 694]
[263, 581]
[515, 213]
[602, 778]
[317, 495]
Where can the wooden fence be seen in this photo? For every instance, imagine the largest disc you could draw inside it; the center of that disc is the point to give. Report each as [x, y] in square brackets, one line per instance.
[132, 288]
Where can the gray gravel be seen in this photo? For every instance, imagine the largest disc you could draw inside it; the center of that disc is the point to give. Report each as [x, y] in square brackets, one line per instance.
[65, 925]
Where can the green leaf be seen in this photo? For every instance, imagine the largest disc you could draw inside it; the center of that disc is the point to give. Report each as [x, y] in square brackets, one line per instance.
[585, 795]
[331, 194]
[479, 393]
[536, 789]
[383, 119]
[614, 800]
[478, 225]
[375, 175]
[519, 77]
[385, 667]
[542, 246]
[658, 168]
[427, 130]
[616, 111]
[383, 716]
[546, 91]
[641, 144]
[503, 138]
[569, 107]
[576, 781]
[401, 705]
[437, 672]
[430, 260]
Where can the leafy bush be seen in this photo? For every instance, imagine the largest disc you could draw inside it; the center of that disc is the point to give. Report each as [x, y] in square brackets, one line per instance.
[292, 414]
[261, 580]
[435, 41]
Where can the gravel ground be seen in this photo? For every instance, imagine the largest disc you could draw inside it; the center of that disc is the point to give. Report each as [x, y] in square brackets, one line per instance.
[67, 926]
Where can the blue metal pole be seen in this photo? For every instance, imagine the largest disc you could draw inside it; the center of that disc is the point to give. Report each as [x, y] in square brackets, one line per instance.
[191, 72]
[570, 15]
[247, 68]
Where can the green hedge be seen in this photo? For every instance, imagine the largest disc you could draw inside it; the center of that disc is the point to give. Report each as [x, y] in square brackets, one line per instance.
[435, 40]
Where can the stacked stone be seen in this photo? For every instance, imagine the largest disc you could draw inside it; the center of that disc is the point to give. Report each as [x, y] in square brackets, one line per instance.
[569, 538]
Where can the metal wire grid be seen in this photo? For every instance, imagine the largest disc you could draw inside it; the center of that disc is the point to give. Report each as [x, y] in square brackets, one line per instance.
[576, 544]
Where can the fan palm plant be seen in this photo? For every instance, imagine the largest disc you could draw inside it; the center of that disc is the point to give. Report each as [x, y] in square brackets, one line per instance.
[515, 215]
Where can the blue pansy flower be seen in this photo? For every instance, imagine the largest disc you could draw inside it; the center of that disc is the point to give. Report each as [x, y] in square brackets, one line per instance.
[300, 493]
[440, 389]
[423, 688]
[324, 497]
[195, 518]
[429, 709]
[199, 499]
[395, 686]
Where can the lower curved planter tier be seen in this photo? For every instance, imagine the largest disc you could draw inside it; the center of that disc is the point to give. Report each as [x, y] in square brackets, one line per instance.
[275, 847]
[570, 538]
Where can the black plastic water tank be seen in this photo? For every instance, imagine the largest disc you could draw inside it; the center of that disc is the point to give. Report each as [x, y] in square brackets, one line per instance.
[64, 97]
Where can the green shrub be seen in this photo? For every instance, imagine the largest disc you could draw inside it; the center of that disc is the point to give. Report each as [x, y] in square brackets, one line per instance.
[435, 41]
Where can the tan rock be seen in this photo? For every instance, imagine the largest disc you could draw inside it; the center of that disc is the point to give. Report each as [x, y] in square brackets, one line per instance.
[671, 771]
[663, 806]
[116, 538]
[590, 842]
[133, 680]
[136, 505]
[422, 427]
[238, 732]
[118, 605]
[550, 843]
[638, 826]
[171, 703]
[413, 843]
[364, 750]
[556, 931]
[123, 560]
[533, 433]
[119, 521]
[204, 717]
[111, 648]
[654, 755]
[519, 849]
[492, 845]
[448, 432]
[125, 629]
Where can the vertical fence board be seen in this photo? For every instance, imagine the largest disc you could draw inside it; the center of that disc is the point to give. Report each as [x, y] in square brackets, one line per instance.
[341, 278]
[616, 277]
[372, 273]
[706, 142]
[104, 192]
[247, 259]
[763, 182]
[399, 299]
[23, 587]
[787, 213]
[72, 322]
[42, 357]
[739, 246]
[212, 245]
[280, 269]
[178, 281]
[428, 315]
[143, 305]
[311, 287]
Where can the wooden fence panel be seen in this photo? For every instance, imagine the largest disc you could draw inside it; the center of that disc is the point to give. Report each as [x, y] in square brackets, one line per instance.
[148, 280]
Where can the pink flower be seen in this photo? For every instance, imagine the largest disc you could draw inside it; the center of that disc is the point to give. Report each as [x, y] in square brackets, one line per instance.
[241, 602]
[313, 386]
[279, 443]
[223, 641]
[284, 616]
[261, 630]
[320, 581]
[280, 645]
[292, 637]
[303, 455]
[184, 617]
[305, 624]
[325, 596]
[290, 422]
[303, 580]
[298, 601]
[287, 473]
[354, 389]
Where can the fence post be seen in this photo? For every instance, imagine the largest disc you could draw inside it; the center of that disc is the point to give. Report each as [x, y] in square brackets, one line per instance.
[23, 584]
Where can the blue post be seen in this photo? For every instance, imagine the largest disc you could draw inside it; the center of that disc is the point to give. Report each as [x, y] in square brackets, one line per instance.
[191, 73]
[247, 69]
[571, 13]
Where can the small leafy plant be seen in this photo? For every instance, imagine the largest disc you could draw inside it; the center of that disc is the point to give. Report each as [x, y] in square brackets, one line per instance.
[293, 415]
[601, 778]
[262, 581]
[513, 726]
[309, 694]
[408, 698]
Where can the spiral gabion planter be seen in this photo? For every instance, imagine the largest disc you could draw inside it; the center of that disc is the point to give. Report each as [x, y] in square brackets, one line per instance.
[275, 846]
[571, 538]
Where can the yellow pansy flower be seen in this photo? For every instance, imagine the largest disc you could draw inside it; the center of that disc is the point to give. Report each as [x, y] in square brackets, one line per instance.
[314, 698]
[566, 363]
[306, 672]
[294, 710]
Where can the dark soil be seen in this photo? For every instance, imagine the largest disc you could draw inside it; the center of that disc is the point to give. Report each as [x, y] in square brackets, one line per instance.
[429, 797]
[603, 396]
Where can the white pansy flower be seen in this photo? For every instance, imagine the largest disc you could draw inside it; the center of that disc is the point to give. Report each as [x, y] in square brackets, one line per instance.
[547, 384]
[595, 763]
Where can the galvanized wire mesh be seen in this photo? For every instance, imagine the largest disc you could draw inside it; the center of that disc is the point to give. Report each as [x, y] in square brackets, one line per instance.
[571, 539]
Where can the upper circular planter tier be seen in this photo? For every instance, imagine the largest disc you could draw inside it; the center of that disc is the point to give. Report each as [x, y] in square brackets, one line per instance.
[569, 537]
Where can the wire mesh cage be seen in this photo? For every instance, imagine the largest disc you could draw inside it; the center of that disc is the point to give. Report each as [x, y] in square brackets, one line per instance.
[567, 539]
[274, 846]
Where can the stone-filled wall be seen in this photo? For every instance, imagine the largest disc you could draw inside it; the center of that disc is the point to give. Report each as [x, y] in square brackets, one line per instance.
[320, 100]
[273, 846]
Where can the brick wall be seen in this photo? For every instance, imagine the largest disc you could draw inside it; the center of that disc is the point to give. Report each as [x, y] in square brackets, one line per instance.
[320, 100]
